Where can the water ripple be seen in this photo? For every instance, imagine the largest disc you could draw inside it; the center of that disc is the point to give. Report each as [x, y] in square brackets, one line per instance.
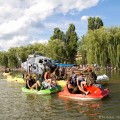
[16, 105]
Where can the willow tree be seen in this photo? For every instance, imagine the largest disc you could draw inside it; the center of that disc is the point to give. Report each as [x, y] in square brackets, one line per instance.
[82, 49]
[103, 46]
[102, 52]
[89, 42]
[118, 56]
[113, 46]
[90, 47]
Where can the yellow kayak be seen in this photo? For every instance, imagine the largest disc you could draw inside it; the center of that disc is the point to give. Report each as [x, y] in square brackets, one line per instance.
[6, 74]
[19, 80]
[62, 83]
[15, 79]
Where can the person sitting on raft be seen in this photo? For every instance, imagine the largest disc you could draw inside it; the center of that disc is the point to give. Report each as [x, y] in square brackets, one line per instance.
[38, 82]
[81, 83]
[91, 78]
[49, 79]
[30, 82]
[74, 86]
[33, 81]
[92, 75]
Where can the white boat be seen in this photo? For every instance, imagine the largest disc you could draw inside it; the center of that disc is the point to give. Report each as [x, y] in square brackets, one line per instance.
[102, 79]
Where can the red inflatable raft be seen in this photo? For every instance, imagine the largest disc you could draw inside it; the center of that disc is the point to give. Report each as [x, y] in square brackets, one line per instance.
[95, 93]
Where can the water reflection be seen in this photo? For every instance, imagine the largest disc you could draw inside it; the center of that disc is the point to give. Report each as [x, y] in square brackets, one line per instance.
[83, 108]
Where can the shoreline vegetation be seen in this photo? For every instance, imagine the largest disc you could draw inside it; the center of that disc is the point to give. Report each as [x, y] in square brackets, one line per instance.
[100, 46]
[2, 69]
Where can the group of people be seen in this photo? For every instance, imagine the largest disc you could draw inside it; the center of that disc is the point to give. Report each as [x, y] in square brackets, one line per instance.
[47, 80]
[60, 72]
[76, 83]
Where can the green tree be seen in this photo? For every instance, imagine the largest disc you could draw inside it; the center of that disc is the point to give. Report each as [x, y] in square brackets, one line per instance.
[101, 46]
[71, 44]
[58, 34]
[21, 54]
[94, 23]
[56, 50]
[4, 59]
[12, 58]
[82, 50]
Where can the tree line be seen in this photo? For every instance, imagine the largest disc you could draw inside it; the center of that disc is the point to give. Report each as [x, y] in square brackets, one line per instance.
[100, 45]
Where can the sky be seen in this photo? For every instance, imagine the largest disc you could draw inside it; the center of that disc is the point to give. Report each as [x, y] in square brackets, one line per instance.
[24, 22]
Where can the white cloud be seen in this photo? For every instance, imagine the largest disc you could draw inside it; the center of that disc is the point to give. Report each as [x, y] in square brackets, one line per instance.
[18, 16]
[84, 18]
[79, 5]
[39, 41]
[19, 41]
[16, 41]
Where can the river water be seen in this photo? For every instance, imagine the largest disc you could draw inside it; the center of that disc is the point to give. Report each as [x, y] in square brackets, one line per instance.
[16, 105]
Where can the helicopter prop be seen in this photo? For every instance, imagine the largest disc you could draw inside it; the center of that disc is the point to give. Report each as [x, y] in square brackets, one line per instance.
[37, 64]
